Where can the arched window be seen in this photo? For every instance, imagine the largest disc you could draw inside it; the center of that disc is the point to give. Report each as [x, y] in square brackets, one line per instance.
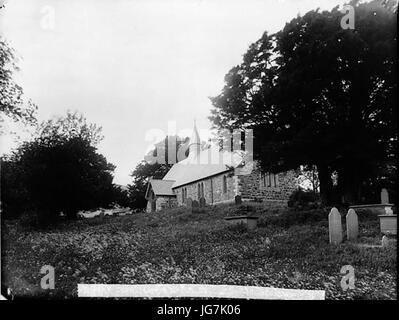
[224, 184]
[202, 190]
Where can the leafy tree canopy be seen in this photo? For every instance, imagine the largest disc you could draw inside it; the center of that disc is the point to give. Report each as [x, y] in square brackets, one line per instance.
[59, 170]
[316, 94]
[12, 103]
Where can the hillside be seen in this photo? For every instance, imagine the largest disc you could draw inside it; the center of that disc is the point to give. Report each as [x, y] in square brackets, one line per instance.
[287, 250]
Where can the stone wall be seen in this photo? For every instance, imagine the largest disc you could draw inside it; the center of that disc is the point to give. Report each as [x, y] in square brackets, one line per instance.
[162, 203]
[248, 186]
[214, 183]
[251, 187]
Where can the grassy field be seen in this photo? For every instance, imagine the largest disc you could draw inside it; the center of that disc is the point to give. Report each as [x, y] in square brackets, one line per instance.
[287, 250]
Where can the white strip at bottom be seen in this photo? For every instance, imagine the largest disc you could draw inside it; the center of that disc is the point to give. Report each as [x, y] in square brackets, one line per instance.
[195, 291]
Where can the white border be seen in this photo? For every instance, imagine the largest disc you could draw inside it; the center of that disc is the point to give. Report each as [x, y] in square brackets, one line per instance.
[195, 291]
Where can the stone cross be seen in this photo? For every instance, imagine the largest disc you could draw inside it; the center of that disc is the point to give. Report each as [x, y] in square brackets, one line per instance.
[352, 225]
[237, 199]
[335, 226]
[384, 196]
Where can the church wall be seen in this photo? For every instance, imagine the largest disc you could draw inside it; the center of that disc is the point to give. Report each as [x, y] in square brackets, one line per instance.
[214, 183]
[251, 188]
[162, 203]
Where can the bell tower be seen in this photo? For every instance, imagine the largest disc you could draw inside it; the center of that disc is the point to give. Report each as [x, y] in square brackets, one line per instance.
[194, 146]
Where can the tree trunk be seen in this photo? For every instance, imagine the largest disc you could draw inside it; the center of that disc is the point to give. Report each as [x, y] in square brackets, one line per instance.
[326, 184]
[349, 182]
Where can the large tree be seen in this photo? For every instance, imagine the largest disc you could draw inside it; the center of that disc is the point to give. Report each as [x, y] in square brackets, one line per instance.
[59, 170]
[316, 94]
[12, 102]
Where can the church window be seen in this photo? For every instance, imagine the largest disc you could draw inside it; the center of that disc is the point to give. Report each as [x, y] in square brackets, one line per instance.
[269, 180]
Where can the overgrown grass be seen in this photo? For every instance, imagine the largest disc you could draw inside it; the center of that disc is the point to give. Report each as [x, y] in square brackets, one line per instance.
[289, 249]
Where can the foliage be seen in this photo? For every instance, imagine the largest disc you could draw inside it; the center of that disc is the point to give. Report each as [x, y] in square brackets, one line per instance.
[120, 196]
[73, 125]
[176, 246]
[58, 171]
[294, 217]
[12, 102]
[309, 176]
[304, 199]
[318, 95]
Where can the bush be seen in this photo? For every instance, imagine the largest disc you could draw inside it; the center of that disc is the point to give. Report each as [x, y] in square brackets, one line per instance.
[32, 219]
[294, 217]
[304, 199]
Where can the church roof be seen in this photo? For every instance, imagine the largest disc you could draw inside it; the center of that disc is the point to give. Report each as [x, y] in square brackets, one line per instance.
[207, 163]
[160, 187]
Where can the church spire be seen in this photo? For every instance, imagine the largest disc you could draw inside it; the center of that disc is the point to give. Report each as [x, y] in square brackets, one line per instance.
[195, 142]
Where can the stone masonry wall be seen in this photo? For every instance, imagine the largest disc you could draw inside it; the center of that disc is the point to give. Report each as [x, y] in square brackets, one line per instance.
[214, 183]
[251, 188]
[165, 202]
[248, 186]
[162, 203]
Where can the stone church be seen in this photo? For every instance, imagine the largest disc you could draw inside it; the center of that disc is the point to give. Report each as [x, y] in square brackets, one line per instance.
[218, 181]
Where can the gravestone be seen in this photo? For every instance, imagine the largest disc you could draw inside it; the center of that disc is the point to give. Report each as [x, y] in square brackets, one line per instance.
[352, 225]
[384, 196]
[385, 241]
[202, 202]
[189, 203]
[237, 199]
[102, 214]
[335, 226]
[195, 206]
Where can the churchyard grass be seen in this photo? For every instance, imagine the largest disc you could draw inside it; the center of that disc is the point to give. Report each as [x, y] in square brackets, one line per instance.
[288, 250]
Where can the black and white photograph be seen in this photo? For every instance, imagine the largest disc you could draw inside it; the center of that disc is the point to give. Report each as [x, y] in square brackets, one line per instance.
[198, 150]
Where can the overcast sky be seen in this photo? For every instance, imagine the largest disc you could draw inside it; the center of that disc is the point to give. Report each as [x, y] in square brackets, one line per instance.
[132, 66]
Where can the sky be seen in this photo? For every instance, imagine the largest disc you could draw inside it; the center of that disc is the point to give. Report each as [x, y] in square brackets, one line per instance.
[135, 67]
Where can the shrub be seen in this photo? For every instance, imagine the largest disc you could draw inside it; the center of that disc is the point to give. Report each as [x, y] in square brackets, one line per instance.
[294, 217]
[32, 219]
[304, 199]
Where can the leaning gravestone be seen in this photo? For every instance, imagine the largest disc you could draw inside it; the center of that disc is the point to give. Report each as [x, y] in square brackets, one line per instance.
[237, 199]
[202, 202]
[335, 226]
[384, 196]
[352, 225]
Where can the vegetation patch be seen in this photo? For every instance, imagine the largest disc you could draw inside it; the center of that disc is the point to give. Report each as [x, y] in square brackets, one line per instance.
[289, 249]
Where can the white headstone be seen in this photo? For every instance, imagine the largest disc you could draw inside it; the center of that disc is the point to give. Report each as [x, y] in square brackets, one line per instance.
[335, 226]
[384, 196]
[385, 241]
[352, 225]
